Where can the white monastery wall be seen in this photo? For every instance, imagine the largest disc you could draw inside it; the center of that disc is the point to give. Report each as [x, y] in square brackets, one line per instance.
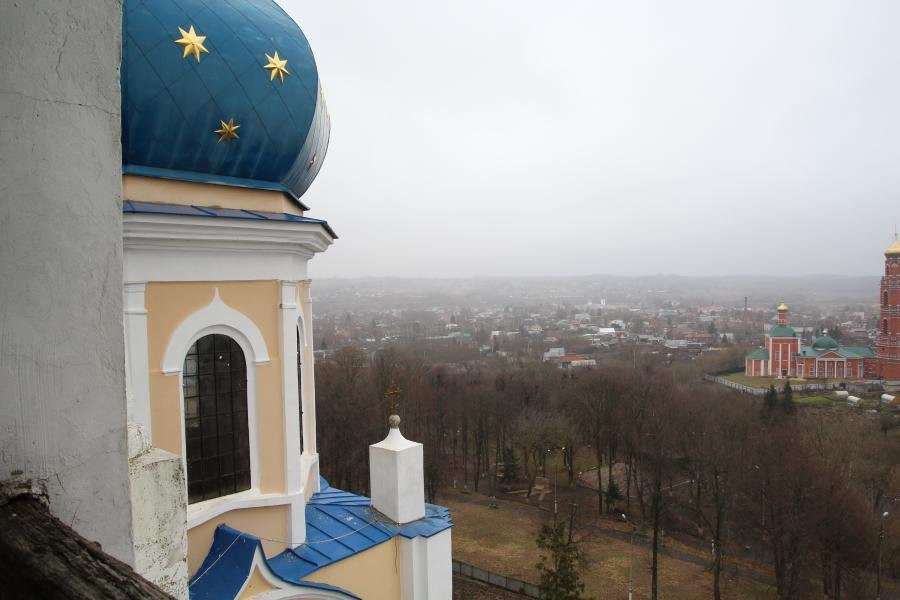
[62, 400]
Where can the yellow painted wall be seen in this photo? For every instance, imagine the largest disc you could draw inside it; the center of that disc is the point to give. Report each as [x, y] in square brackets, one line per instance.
[168, 305]
[257, 585]
[373, 574]
[265, 521]
[170, 191]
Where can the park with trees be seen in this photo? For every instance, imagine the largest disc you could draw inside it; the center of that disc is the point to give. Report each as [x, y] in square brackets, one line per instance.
[806, 493]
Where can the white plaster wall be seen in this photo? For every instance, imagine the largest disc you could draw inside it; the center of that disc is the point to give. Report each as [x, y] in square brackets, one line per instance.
[396, 478]
[159, 514]
[439, 550]
[426, 568]
[62, 401]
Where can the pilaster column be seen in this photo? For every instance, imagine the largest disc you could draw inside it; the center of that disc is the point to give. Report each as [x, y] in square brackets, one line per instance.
[308, 393]
[137, 373]
[289, 313]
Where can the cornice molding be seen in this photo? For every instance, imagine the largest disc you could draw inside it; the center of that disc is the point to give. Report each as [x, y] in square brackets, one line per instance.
[175, 248]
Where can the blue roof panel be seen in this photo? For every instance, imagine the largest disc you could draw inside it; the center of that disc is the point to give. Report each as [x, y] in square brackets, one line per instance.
[229, 563]
[340, 524]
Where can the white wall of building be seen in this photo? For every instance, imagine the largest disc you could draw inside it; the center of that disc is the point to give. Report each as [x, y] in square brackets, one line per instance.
[426, 567]
[62, 399]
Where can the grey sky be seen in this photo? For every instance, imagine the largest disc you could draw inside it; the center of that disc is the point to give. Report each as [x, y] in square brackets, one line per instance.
[578, 137]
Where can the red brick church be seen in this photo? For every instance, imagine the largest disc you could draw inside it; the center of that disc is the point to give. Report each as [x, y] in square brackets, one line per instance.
[783, 354]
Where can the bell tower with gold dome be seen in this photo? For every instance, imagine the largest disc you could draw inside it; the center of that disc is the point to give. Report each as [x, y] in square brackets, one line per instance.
[888, 342]
[224, 128]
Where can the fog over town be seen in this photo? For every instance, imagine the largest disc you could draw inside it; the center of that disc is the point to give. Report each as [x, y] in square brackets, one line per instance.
[632, 138]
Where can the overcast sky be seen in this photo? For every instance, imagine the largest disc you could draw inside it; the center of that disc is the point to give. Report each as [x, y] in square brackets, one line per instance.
[578, 137]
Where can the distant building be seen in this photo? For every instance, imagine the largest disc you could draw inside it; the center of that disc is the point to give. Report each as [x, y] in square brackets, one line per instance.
[554, 353]
[574, 361]
[783, 355]
[562, 360]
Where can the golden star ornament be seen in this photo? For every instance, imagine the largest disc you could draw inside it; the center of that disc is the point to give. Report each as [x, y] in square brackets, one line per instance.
[192, 43]
[228, 131]
[277, 67]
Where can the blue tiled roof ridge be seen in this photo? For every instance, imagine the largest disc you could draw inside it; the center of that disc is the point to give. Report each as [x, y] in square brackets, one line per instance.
[191, 210]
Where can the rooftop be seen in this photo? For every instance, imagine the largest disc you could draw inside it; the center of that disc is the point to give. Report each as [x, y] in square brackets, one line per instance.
[338, 525]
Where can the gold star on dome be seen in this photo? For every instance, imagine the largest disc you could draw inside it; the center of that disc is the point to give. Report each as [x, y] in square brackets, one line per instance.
[192, 43]
[277, 67]
[228, 131]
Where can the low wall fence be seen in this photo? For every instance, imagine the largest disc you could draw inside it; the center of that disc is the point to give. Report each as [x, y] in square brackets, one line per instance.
[502, 581]
[801, 387]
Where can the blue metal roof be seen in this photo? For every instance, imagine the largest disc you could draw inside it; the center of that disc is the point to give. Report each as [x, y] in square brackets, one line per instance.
[340, 524]
[172, 104]
[133, 206]
[228, 564]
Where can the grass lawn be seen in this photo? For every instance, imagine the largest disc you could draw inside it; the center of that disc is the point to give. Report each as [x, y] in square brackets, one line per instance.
[764, 382]
[502, 540]
[820, 400]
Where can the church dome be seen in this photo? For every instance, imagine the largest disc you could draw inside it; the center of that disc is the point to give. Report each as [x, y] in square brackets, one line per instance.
[221, 91]
[894, 249]
[825, 342]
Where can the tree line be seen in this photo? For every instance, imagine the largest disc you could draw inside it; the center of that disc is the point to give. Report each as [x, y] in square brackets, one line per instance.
[804, 489]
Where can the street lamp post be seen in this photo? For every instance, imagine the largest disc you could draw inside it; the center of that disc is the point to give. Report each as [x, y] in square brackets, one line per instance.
[556, 478]
[630, 559]
[880, 543]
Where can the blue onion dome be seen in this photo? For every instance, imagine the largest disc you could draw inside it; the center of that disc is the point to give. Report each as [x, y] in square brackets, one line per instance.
[825, 342]
[221, 91]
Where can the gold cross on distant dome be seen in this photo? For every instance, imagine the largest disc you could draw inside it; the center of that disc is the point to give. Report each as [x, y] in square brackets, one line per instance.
[192, 43]
[228, 131]
[277, 67]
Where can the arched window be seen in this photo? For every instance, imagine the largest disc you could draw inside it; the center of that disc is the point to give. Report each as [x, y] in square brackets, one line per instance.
[884, 299]
[884, 327]
[217, 441]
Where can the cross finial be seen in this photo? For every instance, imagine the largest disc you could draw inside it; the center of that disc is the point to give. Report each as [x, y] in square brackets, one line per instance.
[392, 395]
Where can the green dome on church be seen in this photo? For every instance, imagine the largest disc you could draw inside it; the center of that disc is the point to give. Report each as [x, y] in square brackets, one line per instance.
[825, 342]
[782, 331]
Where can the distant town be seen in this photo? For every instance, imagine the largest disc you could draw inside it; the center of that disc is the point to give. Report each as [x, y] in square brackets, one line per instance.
[580, 320]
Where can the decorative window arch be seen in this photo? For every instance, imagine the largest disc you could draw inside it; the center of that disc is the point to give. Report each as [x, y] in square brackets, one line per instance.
[884, 326]
[217, 318]
[884, 298]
